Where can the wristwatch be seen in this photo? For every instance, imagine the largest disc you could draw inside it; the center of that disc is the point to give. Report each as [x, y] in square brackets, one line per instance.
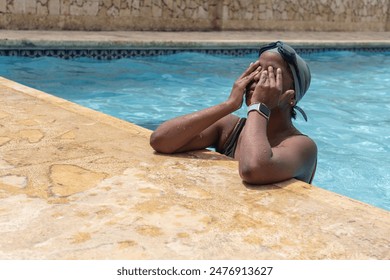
[261, 108]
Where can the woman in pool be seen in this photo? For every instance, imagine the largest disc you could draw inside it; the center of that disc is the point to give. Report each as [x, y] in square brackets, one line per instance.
[266, 144]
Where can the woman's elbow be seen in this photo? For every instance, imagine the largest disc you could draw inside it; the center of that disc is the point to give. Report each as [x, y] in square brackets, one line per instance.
[254, 175]
[158, 144]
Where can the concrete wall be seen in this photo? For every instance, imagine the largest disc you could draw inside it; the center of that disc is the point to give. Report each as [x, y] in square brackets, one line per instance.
[187, 15]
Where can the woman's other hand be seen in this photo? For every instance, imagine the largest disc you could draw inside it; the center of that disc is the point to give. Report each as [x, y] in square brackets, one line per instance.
[236, 97]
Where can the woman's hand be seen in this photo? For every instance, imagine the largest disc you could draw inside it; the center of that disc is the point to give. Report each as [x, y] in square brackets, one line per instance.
[237, 94]
[269, 88]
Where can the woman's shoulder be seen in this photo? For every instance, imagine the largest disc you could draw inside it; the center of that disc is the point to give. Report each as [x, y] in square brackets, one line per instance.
[301, 139]
[301, 145]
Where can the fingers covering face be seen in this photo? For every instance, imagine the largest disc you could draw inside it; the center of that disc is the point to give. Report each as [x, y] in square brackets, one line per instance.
[279, 79]
[270, 78]
[264, 78]
[252, 67]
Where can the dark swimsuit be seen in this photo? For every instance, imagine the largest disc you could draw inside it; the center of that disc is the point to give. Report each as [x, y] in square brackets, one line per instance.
[229, 148]
[231, 143]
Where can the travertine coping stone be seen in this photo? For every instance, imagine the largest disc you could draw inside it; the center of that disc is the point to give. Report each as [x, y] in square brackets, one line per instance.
[188, 40]
[78, 184]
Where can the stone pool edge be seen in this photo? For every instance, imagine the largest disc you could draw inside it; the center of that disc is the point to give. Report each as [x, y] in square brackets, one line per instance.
[259, 221]
[188, 40]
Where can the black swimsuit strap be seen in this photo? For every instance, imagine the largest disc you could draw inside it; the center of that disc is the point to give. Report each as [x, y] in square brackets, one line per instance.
[229, 148]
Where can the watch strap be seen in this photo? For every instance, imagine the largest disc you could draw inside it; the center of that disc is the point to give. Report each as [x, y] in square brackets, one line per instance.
[261, 108]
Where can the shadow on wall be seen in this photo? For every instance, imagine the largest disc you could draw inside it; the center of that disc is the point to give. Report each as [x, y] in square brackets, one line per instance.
[196, 15]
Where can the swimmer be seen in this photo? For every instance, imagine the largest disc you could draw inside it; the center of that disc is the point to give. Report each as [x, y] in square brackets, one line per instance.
[266, 144]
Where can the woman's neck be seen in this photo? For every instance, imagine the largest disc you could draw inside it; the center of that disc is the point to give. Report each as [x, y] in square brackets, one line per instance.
[280, 127]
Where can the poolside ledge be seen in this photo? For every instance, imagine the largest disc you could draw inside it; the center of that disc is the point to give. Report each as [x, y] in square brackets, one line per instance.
[39, 39]
[78, 184]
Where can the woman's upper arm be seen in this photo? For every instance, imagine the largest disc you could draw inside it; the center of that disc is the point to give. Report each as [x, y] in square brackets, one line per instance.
[205, 139]
[214, 135]
[299, 155]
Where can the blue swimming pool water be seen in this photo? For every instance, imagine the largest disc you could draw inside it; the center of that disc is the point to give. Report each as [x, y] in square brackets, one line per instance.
[348, 103]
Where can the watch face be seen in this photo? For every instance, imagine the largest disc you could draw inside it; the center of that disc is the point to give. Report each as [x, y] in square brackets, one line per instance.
[264, 109]
[261, 109]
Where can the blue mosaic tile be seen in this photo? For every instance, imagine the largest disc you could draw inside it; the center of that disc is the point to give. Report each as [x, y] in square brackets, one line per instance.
[109, 54]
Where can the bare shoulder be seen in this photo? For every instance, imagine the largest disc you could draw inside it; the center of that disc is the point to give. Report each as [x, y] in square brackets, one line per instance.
[300, 149]
[301, 143]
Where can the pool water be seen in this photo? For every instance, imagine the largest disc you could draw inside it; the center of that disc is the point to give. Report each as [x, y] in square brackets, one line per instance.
[348, 103]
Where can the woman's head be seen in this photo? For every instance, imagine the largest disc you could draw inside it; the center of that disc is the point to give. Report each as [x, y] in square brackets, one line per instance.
[297, 69]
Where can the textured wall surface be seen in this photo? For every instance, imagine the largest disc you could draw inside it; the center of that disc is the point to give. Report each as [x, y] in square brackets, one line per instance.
[185, 15]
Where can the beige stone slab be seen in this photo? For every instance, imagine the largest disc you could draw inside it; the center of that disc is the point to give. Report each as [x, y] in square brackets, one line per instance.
[150, 39]
[88, 186]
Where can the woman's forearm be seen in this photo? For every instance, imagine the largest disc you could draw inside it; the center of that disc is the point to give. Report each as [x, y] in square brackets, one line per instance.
[172, 135]
[255, 149]
[175, 133]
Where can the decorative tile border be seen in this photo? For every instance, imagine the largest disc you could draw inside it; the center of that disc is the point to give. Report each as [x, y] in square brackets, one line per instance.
[108, 54]
[115, 53]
